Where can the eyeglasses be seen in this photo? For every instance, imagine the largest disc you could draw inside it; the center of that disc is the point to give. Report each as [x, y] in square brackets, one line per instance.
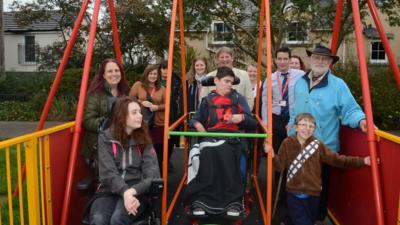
[304, 125]
[321, 58]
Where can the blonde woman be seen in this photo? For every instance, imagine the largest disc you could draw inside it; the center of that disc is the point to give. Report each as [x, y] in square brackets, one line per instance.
[197, 71]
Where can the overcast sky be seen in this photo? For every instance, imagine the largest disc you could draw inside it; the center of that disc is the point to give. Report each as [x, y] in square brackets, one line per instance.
[7, 4]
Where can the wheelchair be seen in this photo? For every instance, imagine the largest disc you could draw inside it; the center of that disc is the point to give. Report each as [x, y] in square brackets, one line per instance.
[223, 217]
[149, 217]
[234, 212]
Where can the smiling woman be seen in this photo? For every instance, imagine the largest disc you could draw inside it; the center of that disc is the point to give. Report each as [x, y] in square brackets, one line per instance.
[108, 83]
[151, 95]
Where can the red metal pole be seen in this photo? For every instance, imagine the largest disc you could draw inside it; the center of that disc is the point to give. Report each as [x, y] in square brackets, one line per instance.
[58, 76]
[385, 41]
[167, 110]
[114, 26]
[79, 115]
[269, 111]
[336, 27]
[184, 84]
[369, 116]
[63, 63]
[259, 60]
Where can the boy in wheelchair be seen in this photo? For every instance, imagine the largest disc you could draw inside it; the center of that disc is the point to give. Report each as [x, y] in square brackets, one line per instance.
[215, 185]
[128, 168]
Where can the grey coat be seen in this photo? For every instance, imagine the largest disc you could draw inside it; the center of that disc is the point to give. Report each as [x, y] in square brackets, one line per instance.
[131, 167]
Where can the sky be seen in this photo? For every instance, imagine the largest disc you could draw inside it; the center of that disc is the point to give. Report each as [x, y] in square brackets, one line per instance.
[7, 3]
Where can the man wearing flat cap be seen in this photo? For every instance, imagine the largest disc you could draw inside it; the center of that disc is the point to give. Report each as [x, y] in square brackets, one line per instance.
[329, 100]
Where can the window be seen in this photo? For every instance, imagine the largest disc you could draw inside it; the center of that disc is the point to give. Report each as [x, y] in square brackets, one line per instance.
[297, 33]
[30, 52]
[381, 2]
[377, 52]
[222, 34]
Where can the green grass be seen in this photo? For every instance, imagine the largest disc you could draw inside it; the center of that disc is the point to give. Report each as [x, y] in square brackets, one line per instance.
[3, 187]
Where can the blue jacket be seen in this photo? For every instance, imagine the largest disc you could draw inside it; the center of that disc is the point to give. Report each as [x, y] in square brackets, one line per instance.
[330, 102]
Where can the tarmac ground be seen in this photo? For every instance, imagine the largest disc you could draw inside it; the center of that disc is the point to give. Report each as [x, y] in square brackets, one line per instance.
[10, 129]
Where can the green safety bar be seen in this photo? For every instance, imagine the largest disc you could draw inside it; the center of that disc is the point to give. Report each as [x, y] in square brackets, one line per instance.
[217, 134]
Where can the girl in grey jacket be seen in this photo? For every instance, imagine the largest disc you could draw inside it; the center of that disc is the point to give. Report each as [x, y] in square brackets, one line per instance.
[127, 165]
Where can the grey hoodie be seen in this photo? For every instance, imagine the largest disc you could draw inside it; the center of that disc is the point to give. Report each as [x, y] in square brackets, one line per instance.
[130, 167]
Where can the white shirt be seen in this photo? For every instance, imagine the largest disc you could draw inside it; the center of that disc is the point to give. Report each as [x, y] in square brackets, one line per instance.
[293, 76]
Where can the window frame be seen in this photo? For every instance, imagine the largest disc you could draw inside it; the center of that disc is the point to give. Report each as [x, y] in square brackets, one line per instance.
[377, 61]
[30, 46]
[297, 41]
[214, 32]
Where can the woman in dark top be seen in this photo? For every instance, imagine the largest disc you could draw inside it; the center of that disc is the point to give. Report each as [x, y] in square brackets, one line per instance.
[108, 83]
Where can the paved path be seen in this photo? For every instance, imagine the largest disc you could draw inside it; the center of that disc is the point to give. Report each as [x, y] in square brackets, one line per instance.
[9, 129]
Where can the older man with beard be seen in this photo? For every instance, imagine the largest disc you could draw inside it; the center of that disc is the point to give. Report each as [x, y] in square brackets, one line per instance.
[330, 101]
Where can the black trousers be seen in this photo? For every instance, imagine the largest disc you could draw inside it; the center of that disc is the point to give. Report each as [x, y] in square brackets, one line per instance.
[279, 131]
[323, 201]
[279, 134]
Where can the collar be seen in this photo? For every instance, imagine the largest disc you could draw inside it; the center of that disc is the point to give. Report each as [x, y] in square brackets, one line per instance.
[323, 82]
[308, 141]
[107, 87]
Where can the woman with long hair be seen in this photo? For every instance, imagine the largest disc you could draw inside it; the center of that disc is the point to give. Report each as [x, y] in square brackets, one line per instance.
[108, 83]
[127, 166]
[198, 70]
[297, 63]
[151, 95]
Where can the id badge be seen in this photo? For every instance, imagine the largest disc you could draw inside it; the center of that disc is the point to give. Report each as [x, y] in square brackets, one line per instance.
[282, 103]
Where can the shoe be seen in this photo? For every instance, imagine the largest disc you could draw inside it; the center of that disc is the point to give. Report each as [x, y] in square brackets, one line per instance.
[198, 212]
[233, 212]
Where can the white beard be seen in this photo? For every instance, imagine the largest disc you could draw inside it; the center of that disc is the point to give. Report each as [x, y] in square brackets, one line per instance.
[318, 71]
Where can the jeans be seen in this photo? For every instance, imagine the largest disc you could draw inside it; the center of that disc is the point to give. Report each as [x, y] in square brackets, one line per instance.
[302, 211]
[110, 210]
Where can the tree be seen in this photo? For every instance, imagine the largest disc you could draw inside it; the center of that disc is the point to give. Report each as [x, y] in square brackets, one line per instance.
[144, 24]
[143, 29]
[43, 10]
[243, 17]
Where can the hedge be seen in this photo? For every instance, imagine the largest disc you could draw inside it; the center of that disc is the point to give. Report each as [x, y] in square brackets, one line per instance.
[384, 93]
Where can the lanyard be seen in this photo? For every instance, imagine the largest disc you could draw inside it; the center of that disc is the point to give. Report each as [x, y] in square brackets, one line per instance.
[280, 84]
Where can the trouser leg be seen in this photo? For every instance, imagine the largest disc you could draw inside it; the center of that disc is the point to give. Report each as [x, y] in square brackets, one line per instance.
[121, 216]
[279, 134]
[102, 209]
[302, 211]
[323, 204]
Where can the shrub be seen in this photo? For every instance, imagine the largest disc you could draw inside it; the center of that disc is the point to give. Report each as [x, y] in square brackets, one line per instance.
[63, 109]
[22, 86]
[14, 110]
[384, 94]
[71, 82]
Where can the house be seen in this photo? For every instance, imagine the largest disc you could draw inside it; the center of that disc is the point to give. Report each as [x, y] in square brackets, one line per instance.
[22, 43]
[298, 39]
